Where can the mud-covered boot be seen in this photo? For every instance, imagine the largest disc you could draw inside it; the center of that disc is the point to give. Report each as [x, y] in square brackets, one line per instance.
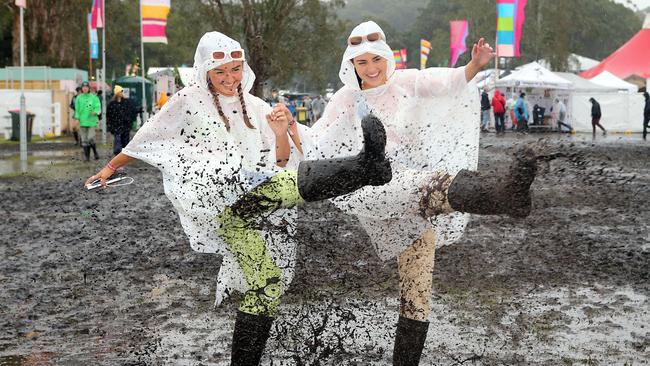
[77, 142]
[86, 153]
[94, 148]
[249, 339]
[409, 341]
[496, 192]
[327, 178]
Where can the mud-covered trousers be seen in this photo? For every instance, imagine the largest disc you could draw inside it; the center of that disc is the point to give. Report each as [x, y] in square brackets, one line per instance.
[238, 229]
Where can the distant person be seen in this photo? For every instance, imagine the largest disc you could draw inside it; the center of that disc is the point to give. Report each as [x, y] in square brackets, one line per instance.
[499, 109]
[561, 116]
[75, 124]
[99, 96]
[87, 110]
[306, 102]
[521, 114]
[646, 115]
[292, 108]
[120, 114]
[317, 107]
[485, 110]
[511, 111]
[596, 114]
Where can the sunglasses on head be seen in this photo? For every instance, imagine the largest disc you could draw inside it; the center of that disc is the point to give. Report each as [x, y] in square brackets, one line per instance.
[371, 37]
[235, 55]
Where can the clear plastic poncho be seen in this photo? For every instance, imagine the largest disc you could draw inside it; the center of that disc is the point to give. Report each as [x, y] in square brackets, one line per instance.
[206, 168]
[431, 120]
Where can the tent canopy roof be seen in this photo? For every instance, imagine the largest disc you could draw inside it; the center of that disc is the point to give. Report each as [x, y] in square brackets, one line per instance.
[534, 75]
[606, 78]
[631, 59]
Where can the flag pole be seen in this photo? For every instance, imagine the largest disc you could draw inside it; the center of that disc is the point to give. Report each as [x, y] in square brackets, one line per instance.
[103, 71]
[23, 111]
[144, 95]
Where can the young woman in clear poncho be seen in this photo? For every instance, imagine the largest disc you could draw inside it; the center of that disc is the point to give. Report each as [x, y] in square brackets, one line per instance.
[222, 153]
[432, 144]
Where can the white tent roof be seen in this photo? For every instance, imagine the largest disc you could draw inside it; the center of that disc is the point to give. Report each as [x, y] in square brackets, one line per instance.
[186, 73]
[575, 63]
[534, 75]
[606, 78]
[581, 84]
[485, 77]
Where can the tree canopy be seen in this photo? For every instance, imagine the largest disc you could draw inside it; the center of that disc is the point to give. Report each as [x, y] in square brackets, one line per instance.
[297, 44]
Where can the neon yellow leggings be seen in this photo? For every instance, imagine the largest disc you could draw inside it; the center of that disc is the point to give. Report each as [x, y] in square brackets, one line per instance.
[263, 277]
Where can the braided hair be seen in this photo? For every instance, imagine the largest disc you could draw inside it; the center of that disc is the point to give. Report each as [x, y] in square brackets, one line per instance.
[226, 120]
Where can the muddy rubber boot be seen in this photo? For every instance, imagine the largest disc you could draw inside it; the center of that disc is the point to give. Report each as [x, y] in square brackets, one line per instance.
[496, 192]
[409, 341]
[86, 153]
[76, 138]
[249, 339]
[328, 178]
[94, 148]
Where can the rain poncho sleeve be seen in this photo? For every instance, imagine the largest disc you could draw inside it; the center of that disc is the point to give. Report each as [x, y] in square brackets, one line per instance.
[433, 82]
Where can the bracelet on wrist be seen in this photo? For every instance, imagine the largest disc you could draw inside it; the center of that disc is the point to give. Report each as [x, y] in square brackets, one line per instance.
[111, 167]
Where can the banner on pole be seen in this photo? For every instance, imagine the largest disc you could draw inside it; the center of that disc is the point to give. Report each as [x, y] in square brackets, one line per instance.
[154, 20]
[458, 31]
[510, 20]
[93, 40]
[21, 3]
[425, 48]
[97, 17]
[400, 58]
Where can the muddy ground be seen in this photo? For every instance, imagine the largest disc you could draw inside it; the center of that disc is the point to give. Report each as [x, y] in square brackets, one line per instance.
[109, 278]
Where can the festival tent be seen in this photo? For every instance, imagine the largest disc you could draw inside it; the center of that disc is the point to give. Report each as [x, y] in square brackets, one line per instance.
[608, 79]
[575, 63]
[581, 84]
[621, 112]
[534, 75]
[631, 59]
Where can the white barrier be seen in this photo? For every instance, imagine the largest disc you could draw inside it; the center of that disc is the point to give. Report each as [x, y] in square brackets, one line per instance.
[38, 102]
[621, 112]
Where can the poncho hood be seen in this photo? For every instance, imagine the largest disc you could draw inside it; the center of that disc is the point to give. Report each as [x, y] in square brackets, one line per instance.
[380, 47]
[203, 62]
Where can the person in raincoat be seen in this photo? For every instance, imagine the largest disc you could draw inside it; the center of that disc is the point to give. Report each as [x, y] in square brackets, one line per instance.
[232, 168]
[432, 145]
[86, 111]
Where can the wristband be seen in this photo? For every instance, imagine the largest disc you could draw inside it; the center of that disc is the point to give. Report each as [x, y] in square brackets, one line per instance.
[111, 167]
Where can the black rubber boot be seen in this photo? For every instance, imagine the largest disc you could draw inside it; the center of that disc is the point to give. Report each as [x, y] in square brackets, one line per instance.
[94, 148]
[409, 341]
[496, 192]
[86, 153]
[76, 138]
[327, 178]
[249, 339]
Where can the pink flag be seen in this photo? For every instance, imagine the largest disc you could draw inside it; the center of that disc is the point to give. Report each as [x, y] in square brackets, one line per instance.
[21, 3]
[154, 20]
[97, 14]
[458, 30]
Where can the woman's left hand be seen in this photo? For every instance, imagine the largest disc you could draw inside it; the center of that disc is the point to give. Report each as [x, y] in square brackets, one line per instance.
[278, 121]
[482, 53]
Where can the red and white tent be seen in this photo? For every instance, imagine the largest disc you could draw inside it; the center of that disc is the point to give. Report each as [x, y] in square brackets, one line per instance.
[633, 58]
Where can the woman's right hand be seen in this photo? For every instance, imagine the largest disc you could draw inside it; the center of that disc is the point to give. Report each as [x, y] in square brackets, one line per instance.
[102, 175]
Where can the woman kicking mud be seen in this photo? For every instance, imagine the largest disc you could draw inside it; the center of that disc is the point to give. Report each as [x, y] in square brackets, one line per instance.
[432, 145]
[221, 152]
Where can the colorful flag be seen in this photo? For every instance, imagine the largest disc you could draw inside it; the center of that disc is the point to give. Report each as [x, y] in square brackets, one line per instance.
[425, 48]
[458, 30]
[400, 58]
[97, 17]
[154, 20]
[21, 3]
[93, 40]
[510, 20]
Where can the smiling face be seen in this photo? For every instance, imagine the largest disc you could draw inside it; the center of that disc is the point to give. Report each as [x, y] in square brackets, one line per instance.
[226, 78]
[371, 69]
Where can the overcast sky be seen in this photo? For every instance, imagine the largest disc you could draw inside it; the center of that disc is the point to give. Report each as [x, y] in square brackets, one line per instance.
[641, 4]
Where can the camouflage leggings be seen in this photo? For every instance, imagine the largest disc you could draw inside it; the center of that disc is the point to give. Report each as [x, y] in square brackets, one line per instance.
[263, 276]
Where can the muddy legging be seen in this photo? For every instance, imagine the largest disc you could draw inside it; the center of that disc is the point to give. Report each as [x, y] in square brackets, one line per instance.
[263, 276]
